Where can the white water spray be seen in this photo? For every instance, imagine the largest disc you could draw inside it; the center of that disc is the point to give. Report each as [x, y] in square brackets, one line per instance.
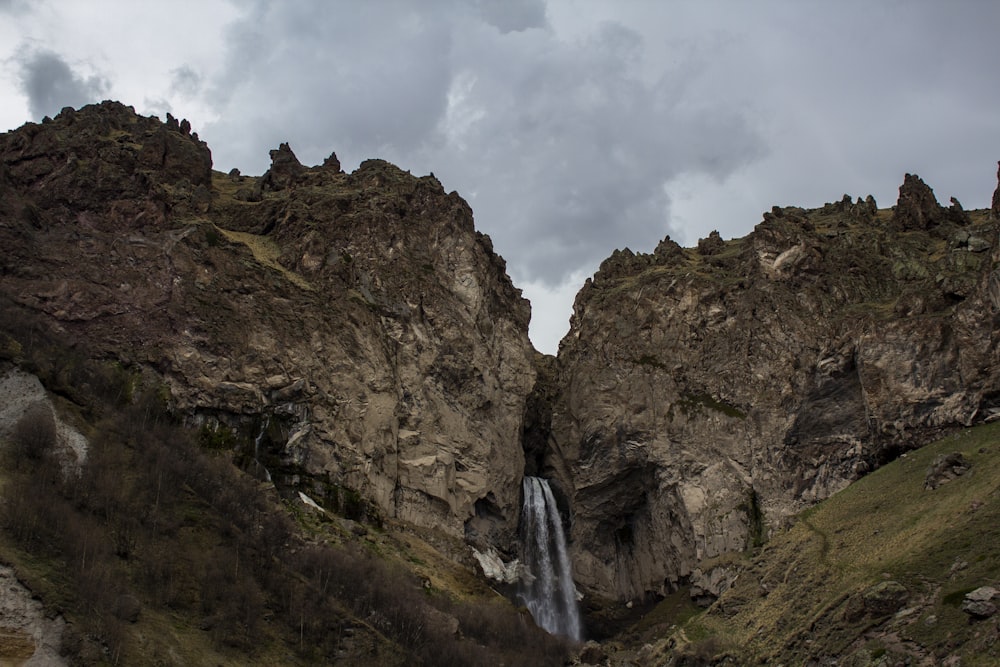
[547, 589]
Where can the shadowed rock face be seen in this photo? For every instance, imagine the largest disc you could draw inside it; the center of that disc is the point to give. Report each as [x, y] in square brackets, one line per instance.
[704, 397]
[359, 317]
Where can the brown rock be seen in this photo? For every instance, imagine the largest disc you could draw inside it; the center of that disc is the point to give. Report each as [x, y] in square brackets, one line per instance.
[917, 208]
[332, 162]
[886, 597]
[995, 206]
[711, 245]
[373, 327]
[284, 172]
[701, 404]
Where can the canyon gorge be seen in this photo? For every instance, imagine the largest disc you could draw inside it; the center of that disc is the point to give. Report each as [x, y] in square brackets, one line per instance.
[357, 337]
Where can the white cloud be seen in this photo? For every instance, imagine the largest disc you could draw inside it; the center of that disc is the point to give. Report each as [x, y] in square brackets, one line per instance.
[551, 308]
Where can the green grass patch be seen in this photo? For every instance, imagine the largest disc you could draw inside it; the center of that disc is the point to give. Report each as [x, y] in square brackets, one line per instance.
[690, 402]
[940, 544]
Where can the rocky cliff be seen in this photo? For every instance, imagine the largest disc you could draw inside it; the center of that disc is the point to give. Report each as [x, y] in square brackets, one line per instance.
[351, 334]
[704, 395]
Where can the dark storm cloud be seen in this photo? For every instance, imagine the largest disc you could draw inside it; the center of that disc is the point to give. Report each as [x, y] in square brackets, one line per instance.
[51, 84]
[561, 147]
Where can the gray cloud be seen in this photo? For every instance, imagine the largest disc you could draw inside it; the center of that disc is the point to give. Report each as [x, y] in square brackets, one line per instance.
[51, 84]
[185, 81]
[513, 15]
[14, 6]
[560, 145]
[570, 148]
[366, 79]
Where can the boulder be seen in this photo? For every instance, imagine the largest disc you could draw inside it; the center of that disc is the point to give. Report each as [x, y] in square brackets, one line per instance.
[981, 603]
[945, 468]
[706, 587]
[886, 597]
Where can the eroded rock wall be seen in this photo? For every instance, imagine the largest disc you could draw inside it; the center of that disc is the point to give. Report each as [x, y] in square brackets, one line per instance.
[705, 395]
[355, 325]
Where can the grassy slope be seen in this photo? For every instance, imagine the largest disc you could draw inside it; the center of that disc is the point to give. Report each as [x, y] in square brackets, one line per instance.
[803, 595]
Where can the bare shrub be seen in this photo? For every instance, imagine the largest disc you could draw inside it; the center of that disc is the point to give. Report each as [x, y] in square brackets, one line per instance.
[34, 436]
[511, 637]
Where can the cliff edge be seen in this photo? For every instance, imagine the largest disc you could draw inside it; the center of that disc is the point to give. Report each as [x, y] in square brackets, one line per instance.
[705, 395]
[351, 335]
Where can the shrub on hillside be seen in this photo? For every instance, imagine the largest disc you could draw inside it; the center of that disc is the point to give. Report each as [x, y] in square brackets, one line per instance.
[33, 437]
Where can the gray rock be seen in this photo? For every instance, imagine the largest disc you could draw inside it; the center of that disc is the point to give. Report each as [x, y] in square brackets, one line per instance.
[981, 603]
[945, 468]
[886, 597]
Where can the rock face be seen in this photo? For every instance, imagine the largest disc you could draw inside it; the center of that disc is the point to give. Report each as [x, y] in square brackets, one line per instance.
[29, 636]
[705, 395]
[917, 207]
[995, 206]
[352, 331]
[354, 335]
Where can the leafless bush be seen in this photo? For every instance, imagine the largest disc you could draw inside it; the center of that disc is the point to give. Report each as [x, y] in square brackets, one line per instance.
[509, 635]
[34, 436]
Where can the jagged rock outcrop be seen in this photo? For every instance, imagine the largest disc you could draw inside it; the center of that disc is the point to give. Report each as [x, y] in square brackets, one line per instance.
[917, 207]
[285, 170]
[355, 325]
[706, 395]
[995, 206]
[981, 603]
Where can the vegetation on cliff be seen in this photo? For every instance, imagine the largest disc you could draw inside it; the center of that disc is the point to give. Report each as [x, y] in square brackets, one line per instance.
[305, 395]
[158, 549]
[877, 574]
[778, 367]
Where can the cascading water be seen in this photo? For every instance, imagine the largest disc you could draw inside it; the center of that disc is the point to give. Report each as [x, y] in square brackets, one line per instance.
[547, 589]
[256, 449]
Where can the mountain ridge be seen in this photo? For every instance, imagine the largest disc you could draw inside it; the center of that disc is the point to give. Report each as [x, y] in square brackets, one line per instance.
[352, 339]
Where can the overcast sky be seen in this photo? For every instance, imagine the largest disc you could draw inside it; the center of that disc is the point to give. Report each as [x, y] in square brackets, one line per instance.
[571, 127]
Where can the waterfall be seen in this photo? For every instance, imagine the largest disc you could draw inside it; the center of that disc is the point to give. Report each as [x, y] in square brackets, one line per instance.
[256, 449]
[547, 588]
